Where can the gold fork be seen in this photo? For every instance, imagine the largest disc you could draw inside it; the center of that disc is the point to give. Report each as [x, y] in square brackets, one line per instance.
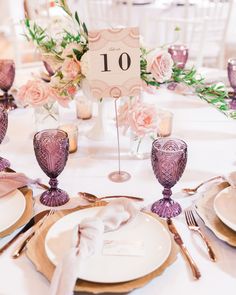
[193, 225]
[20, 248]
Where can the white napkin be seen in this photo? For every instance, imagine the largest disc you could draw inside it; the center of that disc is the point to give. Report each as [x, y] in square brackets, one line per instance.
[89, 239]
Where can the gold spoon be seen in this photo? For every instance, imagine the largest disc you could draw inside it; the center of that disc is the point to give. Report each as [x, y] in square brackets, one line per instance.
[192, 191]
[92, 198]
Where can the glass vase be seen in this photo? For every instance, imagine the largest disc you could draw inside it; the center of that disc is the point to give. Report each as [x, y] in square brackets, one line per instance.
[141, 146]
[46, 116]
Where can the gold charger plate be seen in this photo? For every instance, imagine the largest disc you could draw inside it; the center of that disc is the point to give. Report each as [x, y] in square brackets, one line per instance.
[37, 254]
[205, 209]
[25, 217]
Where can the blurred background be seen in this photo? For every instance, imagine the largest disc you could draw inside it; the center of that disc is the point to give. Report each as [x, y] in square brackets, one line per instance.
[207, 27]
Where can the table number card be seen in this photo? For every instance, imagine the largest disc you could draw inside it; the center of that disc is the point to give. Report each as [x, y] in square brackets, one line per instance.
[114, 63]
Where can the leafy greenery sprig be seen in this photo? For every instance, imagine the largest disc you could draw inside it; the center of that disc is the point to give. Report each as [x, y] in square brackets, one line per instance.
[48, 44]
[215, 94]
[39, 36]
[82, 26]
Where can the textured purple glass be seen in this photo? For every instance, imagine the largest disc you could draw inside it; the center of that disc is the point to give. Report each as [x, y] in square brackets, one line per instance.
[3, 129]
[232, 75]
[179, 54]
[51, 148]
[169, 157]
[7, 76]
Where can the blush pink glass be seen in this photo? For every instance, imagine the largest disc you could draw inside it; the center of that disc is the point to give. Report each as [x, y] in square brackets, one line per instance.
[7, 76]
[179, 54]
[169, 158]
[51, 149]
[3, 129]
[232, 80]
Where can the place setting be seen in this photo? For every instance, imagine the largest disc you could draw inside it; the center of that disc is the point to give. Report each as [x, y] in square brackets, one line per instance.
[215, 207]
[73, 221]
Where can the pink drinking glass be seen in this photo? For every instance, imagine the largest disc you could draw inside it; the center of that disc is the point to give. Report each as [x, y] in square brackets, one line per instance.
[3, 129]
[232, 74]
[7, 76]
[169, 158]
[51, 147]
[179, 54]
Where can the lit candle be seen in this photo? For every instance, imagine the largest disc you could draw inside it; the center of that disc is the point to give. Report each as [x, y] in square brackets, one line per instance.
[83, 108]
[72, 131]
[164, 126]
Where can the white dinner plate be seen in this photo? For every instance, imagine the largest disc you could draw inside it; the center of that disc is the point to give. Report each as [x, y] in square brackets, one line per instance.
[113, 269]
[12, 207]
[225, 206]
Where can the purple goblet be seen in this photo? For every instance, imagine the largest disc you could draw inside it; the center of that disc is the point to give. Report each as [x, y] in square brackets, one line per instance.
[3, 129]
[51, 148]
[179, 54]
[232, 80]
[169, 157]
[7, 76]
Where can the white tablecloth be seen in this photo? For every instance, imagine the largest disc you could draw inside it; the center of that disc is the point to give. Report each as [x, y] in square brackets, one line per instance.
[211, 139]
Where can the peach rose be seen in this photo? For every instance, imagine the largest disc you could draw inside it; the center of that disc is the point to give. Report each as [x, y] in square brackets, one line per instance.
[124, 112]
[71, 68]
[160, 64]
[143, 118]
[34, 93]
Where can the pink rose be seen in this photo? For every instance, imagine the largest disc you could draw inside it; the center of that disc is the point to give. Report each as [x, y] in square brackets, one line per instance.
[34, 93]
[71, 68]
[143, 119]
[140, 117]
[160, 64]
[124, 112]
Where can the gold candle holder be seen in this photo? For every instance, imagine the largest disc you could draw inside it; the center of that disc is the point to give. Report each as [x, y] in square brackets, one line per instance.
[72, 131]
[164, 126]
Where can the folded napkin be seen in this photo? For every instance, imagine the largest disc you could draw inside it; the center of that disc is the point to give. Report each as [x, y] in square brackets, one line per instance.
[87, 240]
[10, 181]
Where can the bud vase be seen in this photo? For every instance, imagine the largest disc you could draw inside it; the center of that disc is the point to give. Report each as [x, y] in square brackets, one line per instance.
[99, 131]
[46, 116]
[141, 146]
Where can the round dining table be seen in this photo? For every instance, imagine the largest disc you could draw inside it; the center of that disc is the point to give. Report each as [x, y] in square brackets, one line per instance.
[211, 140]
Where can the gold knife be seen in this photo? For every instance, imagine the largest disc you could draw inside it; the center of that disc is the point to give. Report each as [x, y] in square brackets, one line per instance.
[180, 243]
[28, 225]
[20, 248]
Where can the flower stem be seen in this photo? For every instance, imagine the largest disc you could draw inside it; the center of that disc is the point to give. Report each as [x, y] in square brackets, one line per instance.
[138, 146]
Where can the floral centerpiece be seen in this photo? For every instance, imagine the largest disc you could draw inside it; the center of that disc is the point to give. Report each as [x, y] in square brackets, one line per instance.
[140, 119]
[65, 53]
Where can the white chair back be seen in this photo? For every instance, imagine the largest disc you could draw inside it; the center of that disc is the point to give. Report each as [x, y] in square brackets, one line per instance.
[107, 13]
[202, 26]
[38, 10]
